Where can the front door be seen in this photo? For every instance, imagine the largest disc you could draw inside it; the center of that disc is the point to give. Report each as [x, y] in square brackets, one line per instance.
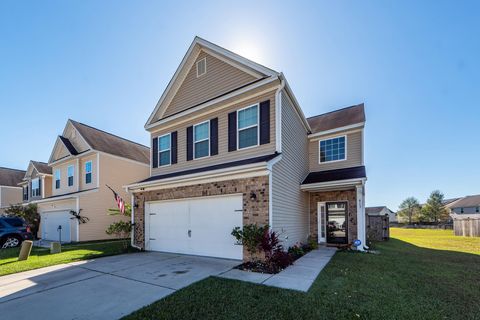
[337, 222]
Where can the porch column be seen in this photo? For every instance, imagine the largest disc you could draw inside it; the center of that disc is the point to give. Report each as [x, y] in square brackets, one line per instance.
[361, 217]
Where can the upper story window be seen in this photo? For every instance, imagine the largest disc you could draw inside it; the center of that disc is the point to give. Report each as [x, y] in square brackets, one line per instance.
[164, 150]
[57, 179]
[247, 126]
[88, 172]
[461, 210]
[201, 67]
[70, 173]
[25, 193]
[201, 140]
[333, 149]
[477, 209]
[36, 187]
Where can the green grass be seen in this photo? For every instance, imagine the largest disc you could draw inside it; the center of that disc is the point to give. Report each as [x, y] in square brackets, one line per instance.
[411, 278]
[41, 257]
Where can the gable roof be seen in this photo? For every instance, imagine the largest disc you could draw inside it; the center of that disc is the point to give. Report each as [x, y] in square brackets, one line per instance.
[42, 167]
[199, 44]
[466, 202]
[337, 119]
[100, 140]
[11, 177]
[336, 175]
[375, 210]
[68, 145]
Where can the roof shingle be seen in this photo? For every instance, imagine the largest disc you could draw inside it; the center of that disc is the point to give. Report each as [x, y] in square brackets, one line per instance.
[11, 177]
[337, 119]
[336, 175]
[42, 167]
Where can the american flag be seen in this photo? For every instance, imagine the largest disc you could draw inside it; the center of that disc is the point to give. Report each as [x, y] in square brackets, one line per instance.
[118, 200]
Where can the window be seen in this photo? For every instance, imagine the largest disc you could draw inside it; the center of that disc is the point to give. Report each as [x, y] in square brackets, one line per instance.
[201, 67]
[164, 150]
[25, 193]
[247, 126]
[477, 209]
[333, 149]
[70, 171]
[201, 140]
[461, 210]
[35, 187]
[88, 172]
[57, 179]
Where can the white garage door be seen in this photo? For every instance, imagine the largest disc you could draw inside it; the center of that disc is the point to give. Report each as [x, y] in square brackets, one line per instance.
[200, 226]
[51, 221]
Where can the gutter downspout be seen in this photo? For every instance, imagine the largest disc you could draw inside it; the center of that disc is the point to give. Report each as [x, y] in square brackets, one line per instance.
[270, 195]
[361, 229]
[132, 222]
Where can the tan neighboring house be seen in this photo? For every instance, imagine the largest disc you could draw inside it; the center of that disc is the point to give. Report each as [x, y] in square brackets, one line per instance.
[37, 182]
[10, 192]
[83, 161]
[465, 213]
[382, 211]
[231, 146]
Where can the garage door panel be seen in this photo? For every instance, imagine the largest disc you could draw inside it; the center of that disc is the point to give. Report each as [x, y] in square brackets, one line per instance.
[210, 221]
[50, 222]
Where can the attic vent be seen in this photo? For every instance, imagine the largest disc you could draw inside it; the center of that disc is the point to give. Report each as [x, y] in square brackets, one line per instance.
[201, 67]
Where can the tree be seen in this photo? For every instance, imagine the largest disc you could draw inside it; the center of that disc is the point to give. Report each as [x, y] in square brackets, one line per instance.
[121, 229]
[29, 213]
[409, 207]
[434, 210]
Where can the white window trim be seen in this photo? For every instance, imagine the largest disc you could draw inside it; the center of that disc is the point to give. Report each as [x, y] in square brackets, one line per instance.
[59, 178]
[196, 65]
[159, 151]
[37, 188]
[258, 127]
[73, 175]
[332, 161]
[207, 139]
[86, 172]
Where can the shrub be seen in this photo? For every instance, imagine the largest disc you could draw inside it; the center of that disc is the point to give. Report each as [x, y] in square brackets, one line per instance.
[297, 250]
[250, 236]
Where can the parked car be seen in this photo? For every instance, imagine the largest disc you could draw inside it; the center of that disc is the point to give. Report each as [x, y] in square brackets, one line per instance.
[13, 231]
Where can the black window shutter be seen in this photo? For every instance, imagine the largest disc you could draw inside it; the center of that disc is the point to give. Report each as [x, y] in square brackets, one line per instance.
[174, 148]
[155, 152]
[214, 136]
[189, 143]
[265, 122]
[40, 186]
[232, 131]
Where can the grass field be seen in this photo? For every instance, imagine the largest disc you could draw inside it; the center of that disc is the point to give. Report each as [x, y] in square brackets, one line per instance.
[418, 274]
[41, 257]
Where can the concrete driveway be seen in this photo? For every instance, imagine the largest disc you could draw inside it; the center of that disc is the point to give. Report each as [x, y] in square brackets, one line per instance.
[105, 288]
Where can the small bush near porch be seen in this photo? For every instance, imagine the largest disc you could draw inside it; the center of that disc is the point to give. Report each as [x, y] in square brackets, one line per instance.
[419, 274]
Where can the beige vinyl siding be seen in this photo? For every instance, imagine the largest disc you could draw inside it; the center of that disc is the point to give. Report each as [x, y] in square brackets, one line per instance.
[116, 173]
[289, 203]
[64, 188]
[9, 196]
[47, 182]
[220, 78]
[223, 154]
[354, 152]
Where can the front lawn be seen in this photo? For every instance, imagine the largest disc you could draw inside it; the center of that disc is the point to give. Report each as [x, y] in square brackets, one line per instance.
[419, 274]
[41, 257]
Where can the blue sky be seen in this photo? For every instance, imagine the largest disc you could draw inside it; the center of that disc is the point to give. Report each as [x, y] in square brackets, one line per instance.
[414, 64]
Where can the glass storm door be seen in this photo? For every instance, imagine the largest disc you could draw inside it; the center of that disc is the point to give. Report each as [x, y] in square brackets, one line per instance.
[322, 212]
[337, 222]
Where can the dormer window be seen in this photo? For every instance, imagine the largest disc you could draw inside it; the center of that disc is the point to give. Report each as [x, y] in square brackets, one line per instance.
[334, 149]
[201, 67]
[70, 173]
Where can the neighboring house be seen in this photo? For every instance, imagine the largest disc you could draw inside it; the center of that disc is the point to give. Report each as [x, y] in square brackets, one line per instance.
[10, 192]
[465, 213]
[231, 147]
[37, 182]
[382, 211]
[83, 161]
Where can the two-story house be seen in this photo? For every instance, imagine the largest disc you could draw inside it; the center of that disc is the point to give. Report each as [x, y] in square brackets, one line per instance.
[37, 182]
[84, 160]
[10, 191]
[231, 146]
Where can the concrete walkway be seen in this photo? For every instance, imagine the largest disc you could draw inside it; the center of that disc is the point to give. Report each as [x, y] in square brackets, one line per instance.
[299, 276]
[104, 288]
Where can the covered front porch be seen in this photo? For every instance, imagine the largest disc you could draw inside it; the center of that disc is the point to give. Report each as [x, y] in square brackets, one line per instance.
[337, 206]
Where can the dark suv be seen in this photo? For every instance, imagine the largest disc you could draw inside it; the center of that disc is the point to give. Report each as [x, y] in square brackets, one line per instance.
[13, 231]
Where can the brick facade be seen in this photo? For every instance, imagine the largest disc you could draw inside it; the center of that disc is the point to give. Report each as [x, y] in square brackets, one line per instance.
[333, 196]
[254, 211]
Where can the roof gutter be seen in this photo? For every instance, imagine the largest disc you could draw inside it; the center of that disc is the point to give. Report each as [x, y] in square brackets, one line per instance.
[344, 128]
[330, 184]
